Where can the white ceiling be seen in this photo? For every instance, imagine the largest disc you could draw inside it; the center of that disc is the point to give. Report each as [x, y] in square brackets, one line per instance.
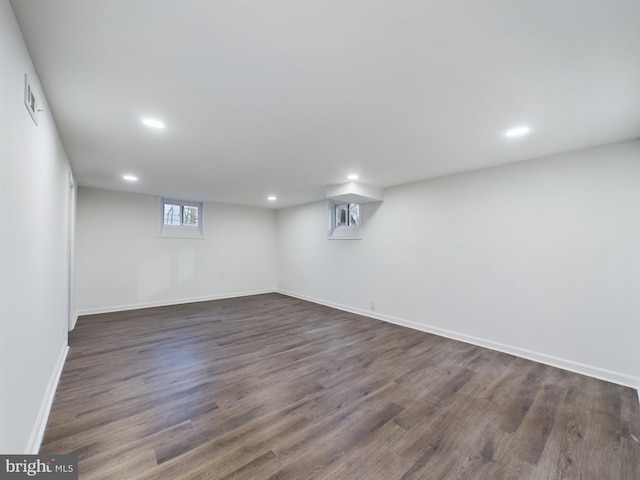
[285, 97]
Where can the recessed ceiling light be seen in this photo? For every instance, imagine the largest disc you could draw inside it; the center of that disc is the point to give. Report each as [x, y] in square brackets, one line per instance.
[517, 131]
[353, 176]
[153, 122]
[272, 198]
[130, 178]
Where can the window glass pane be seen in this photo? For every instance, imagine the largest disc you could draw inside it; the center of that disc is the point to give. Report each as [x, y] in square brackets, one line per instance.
[171, 214]
[342, 215]
[190, 217]
[354, 214]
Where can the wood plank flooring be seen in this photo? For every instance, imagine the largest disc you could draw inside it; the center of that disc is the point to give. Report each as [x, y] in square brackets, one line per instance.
[271, 387]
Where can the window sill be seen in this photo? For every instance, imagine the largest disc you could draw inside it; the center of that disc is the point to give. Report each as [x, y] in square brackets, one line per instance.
[182, 235]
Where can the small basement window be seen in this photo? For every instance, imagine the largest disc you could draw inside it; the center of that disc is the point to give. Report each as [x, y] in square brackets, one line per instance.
[181, 218]
[344, 220]
[347, 215]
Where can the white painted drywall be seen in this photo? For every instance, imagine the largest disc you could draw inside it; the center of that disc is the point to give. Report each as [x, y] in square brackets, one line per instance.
[540, 258]
[34, 171]
[122, 263]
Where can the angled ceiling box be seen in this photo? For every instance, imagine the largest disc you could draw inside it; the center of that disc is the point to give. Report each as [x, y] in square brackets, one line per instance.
[355, 193]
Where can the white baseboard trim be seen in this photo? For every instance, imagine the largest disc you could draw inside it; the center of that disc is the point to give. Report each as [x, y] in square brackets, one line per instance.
[35, 439]
[166, 303]
[576, 367]
[74, 320]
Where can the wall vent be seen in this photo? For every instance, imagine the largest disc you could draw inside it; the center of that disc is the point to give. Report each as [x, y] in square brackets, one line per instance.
[30, 100]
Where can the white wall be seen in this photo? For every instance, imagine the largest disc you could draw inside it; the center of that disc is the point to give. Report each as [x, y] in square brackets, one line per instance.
[34, 173]
[122, 263]
[540, 259]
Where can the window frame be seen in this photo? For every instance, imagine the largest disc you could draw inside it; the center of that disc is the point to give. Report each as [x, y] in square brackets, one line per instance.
[182, 230]
[343, 232]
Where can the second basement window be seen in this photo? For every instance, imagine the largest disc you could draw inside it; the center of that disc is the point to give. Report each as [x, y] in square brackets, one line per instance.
[181, 219]
[347, 215]
[344, 221]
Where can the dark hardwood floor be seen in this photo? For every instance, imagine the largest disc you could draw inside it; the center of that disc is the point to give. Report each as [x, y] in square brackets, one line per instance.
[271, 387]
